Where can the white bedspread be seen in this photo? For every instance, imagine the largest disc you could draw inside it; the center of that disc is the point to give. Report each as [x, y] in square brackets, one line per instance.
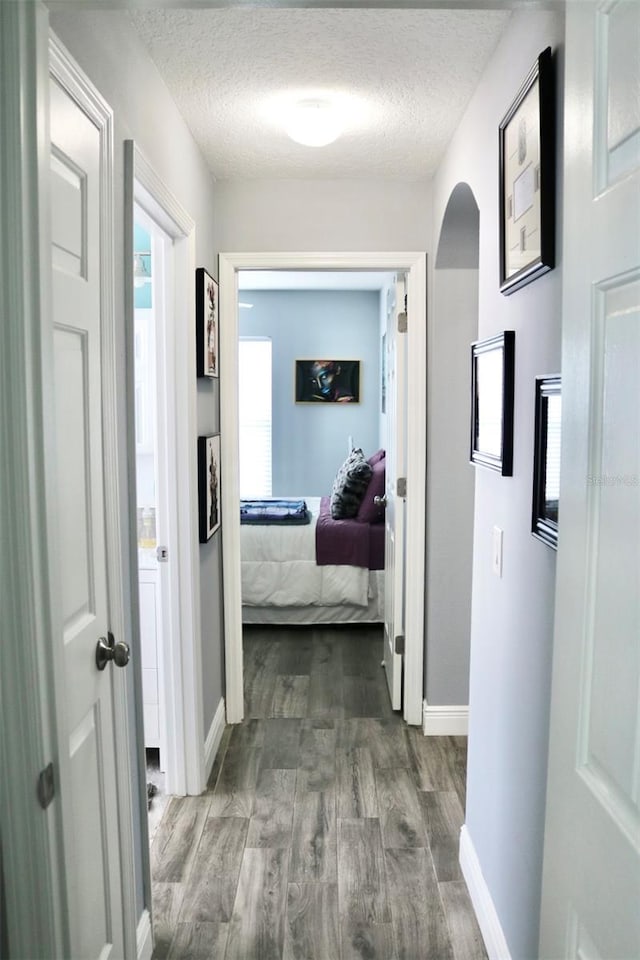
[279, 568]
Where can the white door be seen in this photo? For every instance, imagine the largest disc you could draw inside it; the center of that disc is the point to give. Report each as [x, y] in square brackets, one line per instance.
[591, 884]
[395, 361]
[85, 702]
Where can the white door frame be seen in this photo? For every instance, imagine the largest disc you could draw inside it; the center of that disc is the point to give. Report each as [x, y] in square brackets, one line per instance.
[415, 264]
[181, 651]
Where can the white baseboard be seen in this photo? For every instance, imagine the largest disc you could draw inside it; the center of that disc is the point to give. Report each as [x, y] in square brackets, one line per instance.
[485, 911]
[144, 937]
[213, 738]
[445, 721]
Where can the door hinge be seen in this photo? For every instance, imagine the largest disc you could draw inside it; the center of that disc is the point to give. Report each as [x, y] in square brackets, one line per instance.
[162, 554]
[401, 487]
[46, 786]
[402, 322]
[399, 644]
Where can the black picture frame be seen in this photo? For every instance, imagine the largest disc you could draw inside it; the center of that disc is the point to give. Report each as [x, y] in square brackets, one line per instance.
[546, 460]
[327, 381]
[207, 325]
[492, 389]
[209, 501]
[526, 143]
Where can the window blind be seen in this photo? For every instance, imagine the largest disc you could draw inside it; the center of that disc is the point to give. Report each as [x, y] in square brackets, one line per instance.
[254, 385]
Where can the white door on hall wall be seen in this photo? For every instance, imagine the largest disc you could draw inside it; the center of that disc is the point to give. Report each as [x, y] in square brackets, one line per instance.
[84, 694]
[395, 381]
[591, 882]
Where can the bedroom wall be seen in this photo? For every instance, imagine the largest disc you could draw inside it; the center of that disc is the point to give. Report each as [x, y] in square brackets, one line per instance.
[310, 441]
[106, 49]
[511, 617]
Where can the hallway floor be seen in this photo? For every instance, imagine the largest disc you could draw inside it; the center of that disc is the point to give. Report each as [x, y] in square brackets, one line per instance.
[330, 828]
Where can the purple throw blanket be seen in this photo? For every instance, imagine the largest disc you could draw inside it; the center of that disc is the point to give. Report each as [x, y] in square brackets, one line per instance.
[348, 542]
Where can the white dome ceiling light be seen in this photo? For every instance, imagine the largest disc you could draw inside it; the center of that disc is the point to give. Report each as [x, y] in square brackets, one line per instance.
[314, 123]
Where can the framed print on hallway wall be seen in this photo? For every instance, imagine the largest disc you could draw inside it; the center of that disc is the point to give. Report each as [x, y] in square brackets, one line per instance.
[209, 512]
[546, 461]
[207, 332]
[492, 388]
[527, 180]
[327, 381]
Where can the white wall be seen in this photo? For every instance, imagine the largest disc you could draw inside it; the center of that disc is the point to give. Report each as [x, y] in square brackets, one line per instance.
[511, 618]
[105, 47]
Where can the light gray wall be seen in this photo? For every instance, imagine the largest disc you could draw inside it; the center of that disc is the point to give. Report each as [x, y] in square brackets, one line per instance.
[106, 49]
[309, 441]
[511, 618]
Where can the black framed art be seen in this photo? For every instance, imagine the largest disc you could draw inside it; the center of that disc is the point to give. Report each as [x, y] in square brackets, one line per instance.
[207, 332]
[327, 381]
[209, 504]
[527, 180]
[546, 460]
[492, 383]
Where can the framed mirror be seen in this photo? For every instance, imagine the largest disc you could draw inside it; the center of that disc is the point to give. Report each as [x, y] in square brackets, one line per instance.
[492, 380]
[546, 460]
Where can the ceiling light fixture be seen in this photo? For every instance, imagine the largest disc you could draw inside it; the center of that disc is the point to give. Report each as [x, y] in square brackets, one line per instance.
[314, 123]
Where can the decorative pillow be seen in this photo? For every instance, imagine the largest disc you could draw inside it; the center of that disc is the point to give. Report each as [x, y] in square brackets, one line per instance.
[376, 457]
[370, 512]
[349, 485]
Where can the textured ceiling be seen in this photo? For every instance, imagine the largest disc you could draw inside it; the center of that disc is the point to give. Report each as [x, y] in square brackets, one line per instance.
[405, 77]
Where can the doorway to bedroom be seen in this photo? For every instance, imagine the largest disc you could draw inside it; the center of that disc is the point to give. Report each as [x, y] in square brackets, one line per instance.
[300, 418]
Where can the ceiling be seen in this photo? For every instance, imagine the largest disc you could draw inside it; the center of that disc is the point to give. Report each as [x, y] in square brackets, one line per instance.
[404, 78]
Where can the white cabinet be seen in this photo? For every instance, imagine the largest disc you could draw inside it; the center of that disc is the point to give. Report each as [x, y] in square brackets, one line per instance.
[149, 636]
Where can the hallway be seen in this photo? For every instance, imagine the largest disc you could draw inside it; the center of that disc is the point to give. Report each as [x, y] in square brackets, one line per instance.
[329, 830]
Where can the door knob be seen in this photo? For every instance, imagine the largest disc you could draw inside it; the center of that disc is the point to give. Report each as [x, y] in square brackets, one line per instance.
[380, 501]
[108, 649]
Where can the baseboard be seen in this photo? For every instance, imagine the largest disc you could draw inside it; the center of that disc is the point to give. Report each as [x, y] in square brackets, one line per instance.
[213, 738]
[485, 911]
[445, 721]
[144, 937]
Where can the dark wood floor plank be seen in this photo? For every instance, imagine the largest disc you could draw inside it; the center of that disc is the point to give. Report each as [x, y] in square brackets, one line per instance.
[431, 760]
[177, 837]
[464, 931]
[257, 924]
[325, 686]
[290, 696]
[419, 922]
[167, 901]
[443, 818]
[385, 738]
[234, 793]
[355, 783]
[296, 652]
[314, 840]
[317, 766]
[199, 941]
[272, 819]
[209, 890]
[361, 872]
[311, 931]
[260, 674]
[400, 812]
[281, 746]
[373, 941]
[362, 651]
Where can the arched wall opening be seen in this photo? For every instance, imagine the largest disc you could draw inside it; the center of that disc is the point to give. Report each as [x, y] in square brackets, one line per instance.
[451, 481]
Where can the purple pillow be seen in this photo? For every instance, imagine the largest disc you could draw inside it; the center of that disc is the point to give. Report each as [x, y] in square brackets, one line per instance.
[370, 512]
[376, 457]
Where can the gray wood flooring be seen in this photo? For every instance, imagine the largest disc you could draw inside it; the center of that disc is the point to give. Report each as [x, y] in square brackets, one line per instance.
[329, 830]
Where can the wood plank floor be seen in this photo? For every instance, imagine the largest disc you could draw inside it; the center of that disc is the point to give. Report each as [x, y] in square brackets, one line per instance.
[329, 830]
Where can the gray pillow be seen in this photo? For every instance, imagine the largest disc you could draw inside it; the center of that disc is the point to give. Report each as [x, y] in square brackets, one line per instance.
[349, 486]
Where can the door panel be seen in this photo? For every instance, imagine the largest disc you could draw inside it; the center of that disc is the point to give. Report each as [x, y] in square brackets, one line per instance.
[591, 881]
[85, 721]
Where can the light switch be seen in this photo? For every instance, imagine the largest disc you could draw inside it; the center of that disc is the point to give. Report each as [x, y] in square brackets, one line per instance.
[496, 556]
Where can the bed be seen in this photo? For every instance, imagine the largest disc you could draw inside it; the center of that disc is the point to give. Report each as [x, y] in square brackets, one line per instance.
[283, 582]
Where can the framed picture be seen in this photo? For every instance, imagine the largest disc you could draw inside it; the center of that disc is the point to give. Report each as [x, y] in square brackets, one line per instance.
[207, 332]
[546, 460]
[492, 381]
[208, 486]
[327, 381]
[527, 180]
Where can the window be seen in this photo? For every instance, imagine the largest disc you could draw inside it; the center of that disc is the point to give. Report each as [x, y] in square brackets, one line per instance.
[254, 385]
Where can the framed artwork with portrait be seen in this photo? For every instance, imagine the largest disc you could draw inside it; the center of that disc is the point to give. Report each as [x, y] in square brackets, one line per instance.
[207, 332]
[527, 180]
[209, 505]
[327, 381]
